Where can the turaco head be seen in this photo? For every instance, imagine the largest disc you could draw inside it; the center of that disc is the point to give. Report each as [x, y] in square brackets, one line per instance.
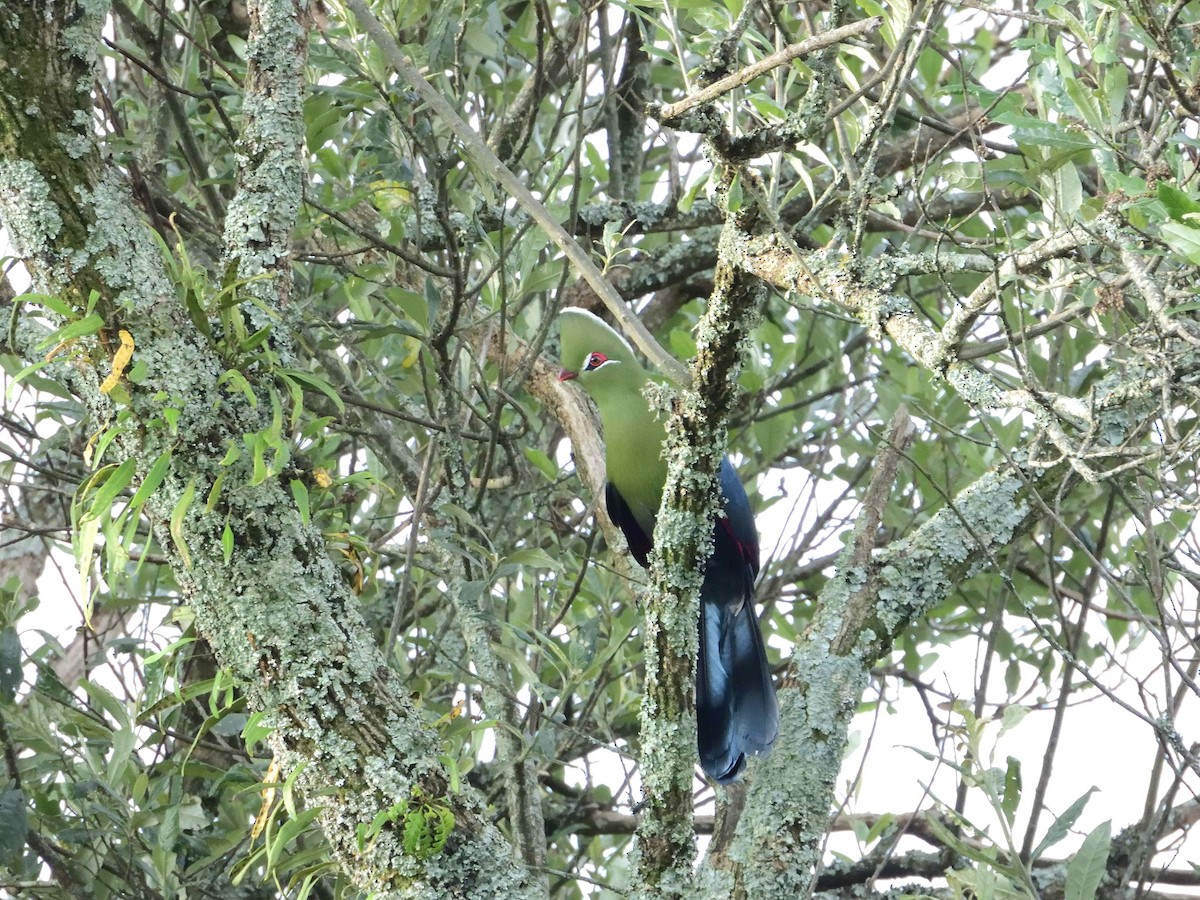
[596, 355]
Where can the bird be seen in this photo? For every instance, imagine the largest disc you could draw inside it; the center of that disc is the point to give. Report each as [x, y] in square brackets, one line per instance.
[736, 711]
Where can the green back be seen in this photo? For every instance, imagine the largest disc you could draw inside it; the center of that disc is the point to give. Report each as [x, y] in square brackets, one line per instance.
[633, 434]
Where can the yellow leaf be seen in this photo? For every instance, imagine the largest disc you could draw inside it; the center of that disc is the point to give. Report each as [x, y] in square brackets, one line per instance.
[268, 798]
[120, 361]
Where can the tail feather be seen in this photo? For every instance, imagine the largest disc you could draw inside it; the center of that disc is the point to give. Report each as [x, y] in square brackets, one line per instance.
[736, 712]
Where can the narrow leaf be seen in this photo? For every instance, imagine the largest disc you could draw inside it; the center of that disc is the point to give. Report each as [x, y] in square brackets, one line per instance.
[1012, 789]
[10, 664]
[153, 479]
[85, 326]
[14, 824]
[117, 481]
[300, 495]
[1086, 868]
[1062, 825]
[177, 515]
[313, 383]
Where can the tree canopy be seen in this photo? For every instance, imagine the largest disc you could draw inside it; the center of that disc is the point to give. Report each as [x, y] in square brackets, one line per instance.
[347, 615]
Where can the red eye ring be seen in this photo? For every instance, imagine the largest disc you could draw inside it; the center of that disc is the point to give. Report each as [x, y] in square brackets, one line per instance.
[595, 361]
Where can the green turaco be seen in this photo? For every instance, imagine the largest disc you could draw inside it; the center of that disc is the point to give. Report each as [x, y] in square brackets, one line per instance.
[736, 714]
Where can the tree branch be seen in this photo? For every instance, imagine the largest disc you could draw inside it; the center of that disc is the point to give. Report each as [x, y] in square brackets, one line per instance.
[482, 156]
[695, 444]
[672, 111]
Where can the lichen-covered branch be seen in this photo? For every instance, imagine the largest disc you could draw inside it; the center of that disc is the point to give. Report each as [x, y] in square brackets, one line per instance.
[719, 88]
[262, 216]
[683, 540]
[867, 292]
[256, 575]
[860, 613]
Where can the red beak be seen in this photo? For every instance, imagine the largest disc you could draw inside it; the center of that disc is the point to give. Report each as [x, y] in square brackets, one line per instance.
[565, 375]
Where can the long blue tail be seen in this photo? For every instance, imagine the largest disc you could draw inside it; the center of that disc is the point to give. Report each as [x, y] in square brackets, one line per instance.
[736, 712]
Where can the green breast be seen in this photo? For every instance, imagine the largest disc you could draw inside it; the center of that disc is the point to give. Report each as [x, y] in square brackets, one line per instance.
[633, 442]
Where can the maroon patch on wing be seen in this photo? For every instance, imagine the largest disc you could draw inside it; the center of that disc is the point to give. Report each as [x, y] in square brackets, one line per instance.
[748, 554]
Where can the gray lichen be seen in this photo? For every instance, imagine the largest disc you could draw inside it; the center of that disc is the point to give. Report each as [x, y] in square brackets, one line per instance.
[787, 811]
[118, 250]
[32, 219]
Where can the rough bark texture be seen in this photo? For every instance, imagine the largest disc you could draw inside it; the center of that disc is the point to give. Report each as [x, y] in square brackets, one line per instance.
[778, 845]
[263, 589]
[696, 441]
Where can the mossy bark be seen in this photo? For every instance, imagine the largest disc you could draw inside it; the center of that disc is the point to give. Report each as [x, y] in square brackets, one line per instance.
[264, 592]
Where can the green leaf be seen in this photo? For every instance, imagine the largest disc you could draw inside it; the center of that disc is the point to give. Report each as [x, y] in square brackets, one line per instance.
[1116, 87]
[116, 480]
[986, 881]
[10, 664]
[256, 339]
[124, 740]
[168, 828]
[30, 369]
[1038, 133]
[1179, 204]
[882, 824]
[1062, 825]
[289, 831]
[517, 661]
[237, 45]
[154, 478]
[84, 541]
[14, 824]
[138, 372]
[1014, 715]
[445, 26]
[1087, 866]
[528, 558]
[313, 383]
[81, 328]
[956, 843]
[230, 724]
[300, 495]
[108, 702]
[51, 302]
[254, 731]
[1190, 306]
[692, 193]
[1183, 239]
[542, 462]
[1069, 190]
[1011, 797]
[176, 526]
[1084, 99]
[237, 382]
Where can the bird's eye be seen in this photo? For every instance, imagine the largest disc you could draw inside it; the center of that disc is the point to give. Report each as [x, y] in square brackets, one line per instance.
[595, 361]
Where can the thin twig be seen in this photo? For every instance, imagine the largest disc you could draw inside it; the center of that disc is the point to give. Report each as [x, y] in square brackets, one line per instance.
[901, 432]
[479, 153]
[671, 112]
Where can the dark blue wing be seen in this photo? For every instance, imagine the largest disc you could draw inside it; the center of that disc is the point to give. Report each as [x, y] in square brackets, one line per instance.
[736, 712]
[639, 541]
[738, 520]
